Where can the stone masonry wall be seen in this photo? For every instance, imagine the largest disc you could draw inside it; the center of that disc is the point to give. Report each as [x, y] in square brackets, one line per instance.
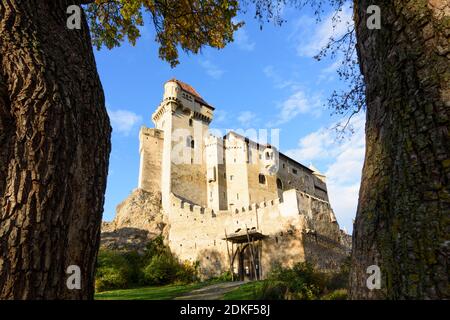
[299, 228]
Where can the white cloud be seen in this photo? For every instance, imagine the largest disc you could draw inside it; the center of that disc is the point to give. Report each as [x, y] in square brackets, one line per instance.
[242, 40]
[123, 121]
[343, 169]
[246, 118]
[309, 46]
[211, 69]
[297, 103]
[220, 116]
[279, 82]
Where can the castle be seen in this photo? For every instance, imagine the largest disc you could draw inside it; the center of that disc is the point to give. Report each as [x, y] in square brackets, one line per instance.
[232, 203]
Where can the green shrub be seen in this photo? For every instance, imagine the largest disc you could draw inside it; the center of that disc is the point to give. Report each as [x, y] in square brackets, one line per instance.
[161, 269]
[187, 272]
[339, 280]
[155, 247]
[272, 290]
[223, 277]
[113, 271]
[340, 294]
[301, 282]
[157, 266]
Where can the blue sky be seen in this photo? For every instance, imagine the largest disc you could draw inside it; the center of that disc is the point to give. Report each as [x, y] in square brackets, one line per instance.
[265, 79]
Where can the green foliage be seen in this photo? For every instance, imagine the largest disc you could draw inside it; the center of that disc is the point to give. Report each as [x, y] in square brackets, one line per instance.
[247, 291]
[160, 270]
[340, 280]
[300, 282]
[339, 294]
[224, 277]
[303, 282]
[188, 24]
[113, 271]
[157, 266]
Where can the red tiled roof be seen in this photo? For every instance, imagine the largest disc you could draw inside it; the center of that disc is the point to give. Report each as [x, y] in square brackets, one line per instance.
[189, 89]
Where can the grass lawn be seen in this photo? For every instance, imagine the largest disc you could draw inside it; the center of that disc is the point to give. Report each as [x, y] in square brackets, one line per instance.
[149, 293]
[247, 291]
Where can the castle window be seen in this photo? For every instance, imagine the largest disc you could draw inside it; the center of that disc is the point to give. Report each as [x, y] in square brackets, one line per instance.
[279, 184]
[192, 144]
[190, 122]
[284, 165]
[189, 141]
[237, 196]
[231, 177]
[262, 178]
[294, 171]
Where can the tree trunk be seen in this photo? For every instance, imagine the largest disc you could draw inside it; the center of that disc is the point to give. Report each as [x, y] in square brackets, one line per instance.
[402, 222]
[55, 144]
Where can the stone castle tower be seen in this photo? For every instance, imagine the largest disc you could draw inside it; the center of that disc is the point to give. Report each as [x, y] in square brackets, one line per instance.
[233, 203]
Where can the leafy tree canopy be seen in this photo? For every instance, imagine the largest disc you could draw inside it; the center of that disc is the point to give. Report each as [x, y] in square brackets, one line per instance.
[185, 24]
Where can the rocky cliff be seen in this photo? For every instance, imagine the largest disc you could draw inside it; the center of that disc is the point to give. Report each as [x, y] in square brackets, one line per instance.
[138, 219]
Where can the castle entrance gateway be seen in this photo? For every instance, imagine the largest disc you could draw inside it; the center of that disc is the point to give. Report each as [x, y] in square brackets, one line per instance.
[245, 253]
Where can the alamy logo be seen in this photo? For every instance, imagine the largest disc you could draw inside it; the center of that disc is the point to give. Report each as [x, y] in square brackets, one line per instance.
[74, 280]
[374, 280]
[74, 20]
[374, 20]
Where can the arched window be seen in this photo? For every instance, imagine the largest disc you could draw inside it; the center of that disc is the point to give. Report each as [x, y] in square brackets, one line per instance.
[279, 184]
[262, 179]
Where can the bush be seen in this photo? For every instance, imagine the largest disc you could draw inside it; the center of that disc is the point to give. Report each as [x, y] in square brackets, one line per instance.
[157, 266]
[164, 269]
[113, 271]
[303, 282]
[300, 282]
[340, 294]
[161, 269]
[339, 280]
[187, 272]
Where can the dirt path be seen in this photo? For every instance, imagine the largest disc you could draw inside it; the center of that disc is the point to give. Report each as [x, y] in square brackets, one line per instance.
[212, 292]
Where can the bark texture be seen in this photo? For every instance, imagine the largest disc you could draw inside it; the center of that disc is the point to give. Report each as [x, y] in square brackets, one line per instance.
[55, 144]
[402, 223]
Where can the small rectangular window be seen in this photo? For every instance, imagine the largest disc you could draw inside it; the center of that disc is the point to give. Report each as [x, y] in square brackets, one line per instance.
[237, 196]
[190, 122]
[294, 171]
[231, 177]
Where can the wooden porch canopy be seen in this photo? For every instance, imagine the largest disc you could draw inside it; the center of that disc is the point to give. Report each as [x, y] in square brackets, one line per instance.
[242, 239]
[243, 236]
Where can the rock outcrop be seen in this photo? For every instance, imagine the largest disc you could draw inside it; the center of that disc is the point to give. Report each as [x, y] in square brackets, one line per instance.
[138, 219]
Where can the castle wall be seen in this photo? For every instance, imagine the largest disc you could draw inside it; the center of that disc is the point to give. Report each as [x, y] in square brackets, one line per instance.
[196, 233]
[150, 149]
[236, 173]
[188, 175]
